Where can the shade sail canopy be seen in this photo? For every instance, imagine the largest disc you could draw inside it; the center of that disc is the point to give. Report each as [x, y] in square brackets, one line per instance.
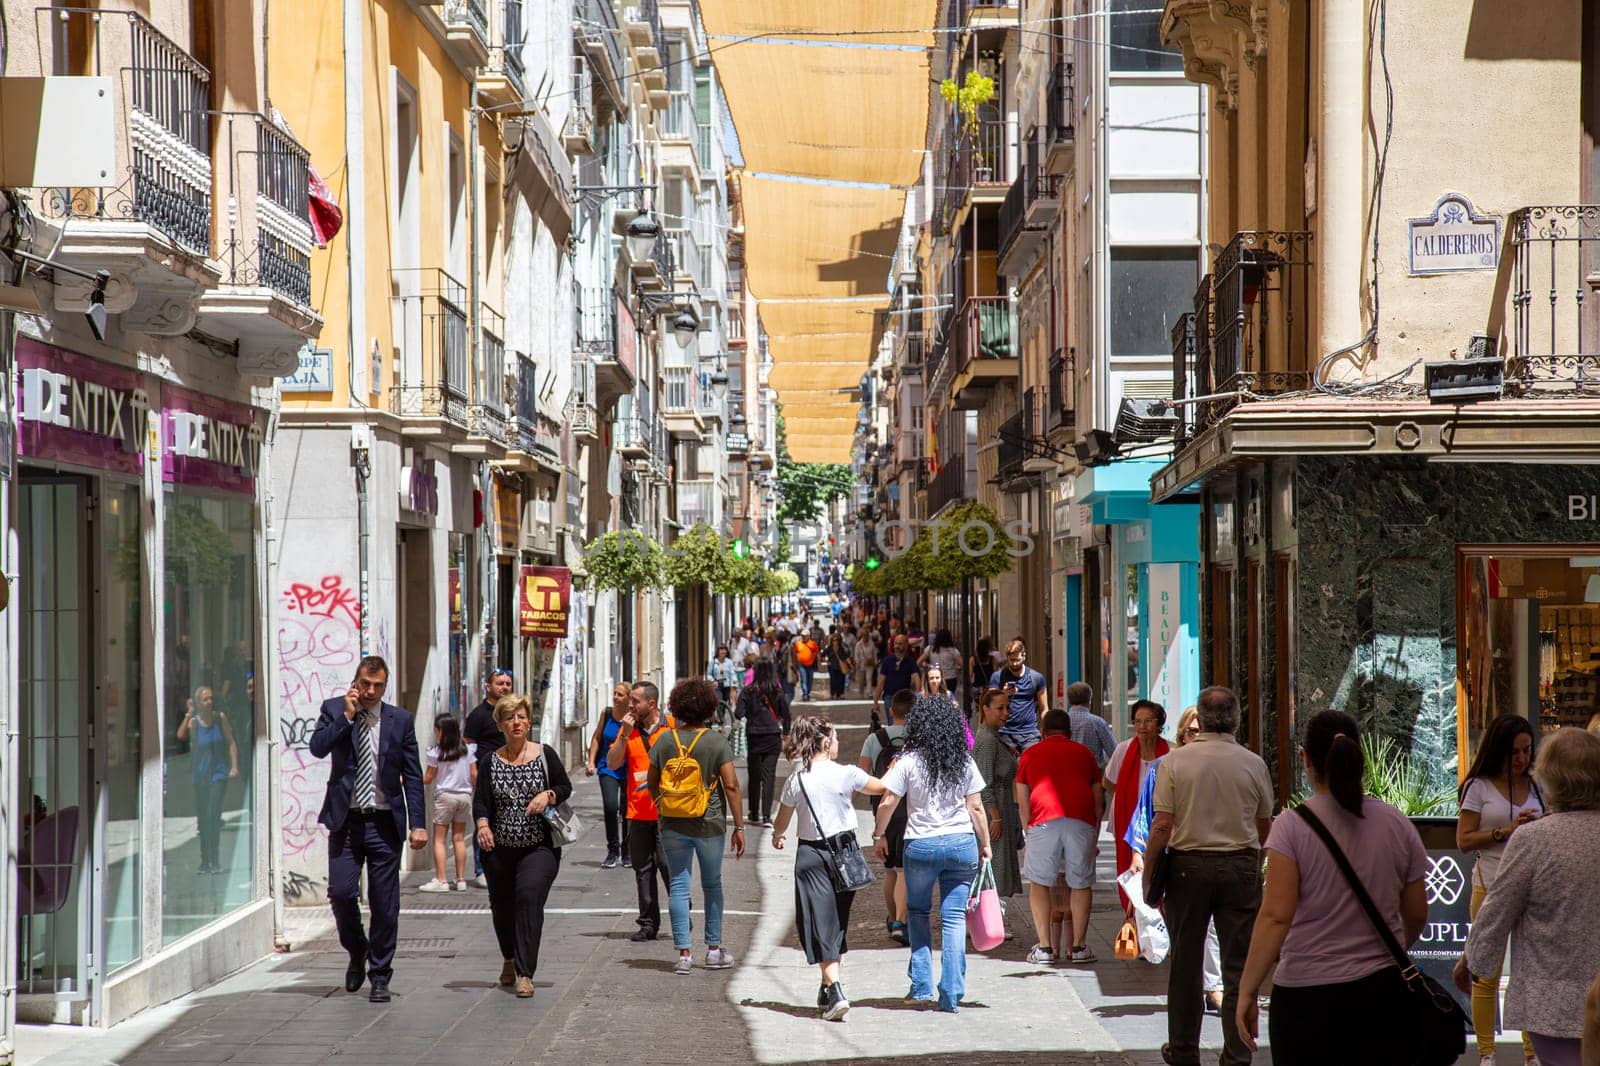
[806, 132]
[878, 22]
[819, 97]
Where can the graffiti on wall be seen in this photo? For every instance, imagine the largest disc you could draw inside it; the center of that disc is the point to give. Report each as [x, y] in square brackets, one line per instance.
[318, 645]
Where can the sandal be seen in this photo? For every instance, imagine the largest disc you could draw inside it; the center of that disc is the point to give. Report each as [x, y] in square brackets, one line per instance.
[897, 933]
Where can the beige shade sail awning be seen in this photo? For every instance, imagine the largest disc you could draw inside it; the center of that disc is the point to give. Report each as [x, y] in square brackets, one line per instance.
[799, 110]
[825, 449]
[790, 378]
[819, 407]
[813, 241]
[877, 22]
[822, 348]
[783, 318]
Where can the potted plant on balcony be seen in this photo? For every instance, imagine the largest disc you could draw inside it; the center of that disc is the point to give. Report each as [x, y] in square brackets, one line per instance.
[968, 95]
[624, 560]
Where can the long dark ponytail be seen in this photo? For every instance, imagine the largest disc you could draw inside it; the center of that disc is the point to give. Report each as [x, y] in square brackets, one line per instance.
[451, 747]
[1333, 743]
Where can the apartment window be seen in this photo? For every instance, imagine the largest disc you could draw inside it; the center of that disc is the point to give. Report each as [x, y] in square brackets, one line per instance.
[1150, 287]
[407, 215]
[455, 200]
[1136, 38]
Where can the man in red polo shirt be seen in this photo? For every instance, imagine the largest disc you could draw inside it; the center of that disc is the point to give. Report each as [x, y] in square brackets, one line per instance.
[1062, 802]
[640, 727]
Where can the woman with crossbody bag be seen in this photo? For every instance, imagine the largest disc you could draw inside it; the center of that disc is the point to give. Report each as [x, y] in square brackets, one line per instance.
[764, 710]
[1339, 996]
[827, 865]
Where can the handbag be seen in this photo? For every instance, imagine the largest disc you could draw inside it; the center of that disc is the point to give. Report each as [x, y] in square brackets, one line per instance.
[563, 822]
[986, 922]
[847, 866]
[1126, 946]
[1441, 1024]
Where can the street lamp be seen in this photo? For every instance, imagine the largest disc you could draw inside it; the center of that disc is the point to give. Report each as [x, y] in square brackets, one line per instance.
[685, 324]
[642, 232]
[719, 380]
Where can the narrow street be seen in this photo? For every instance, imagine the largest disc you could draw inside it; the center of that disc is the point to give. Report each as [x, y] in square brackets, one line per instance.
[447, 1008]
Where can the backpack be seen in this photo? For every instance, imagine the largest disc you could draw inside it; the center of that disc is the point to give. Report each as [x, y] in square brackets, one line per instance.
[889, 749]
[681, 790]
[805, 652]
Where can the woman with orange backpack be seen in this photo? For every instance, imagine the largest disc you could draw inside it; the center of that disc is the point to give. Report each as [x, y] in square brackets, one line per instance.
[695, 788]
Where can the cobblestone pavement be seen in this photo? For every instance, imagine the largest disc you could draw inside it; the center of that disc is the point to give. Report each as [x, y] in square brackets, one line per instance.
[602, 999]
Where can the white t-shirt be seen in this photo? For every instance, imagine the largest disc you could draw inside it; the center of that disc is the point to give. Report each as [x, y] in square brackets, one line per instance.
[1494, 812]
[1114, 764]
[928, 815]
[454, 776]
[829, 786]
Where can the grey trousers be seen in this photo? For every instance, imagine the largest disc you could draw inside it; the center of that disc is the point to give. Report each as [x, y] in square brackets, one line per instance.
[1202, 888]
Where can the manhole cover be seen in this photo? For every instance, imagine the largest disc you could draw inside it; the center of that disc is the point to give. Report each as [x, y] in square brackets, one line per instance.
[405, 943]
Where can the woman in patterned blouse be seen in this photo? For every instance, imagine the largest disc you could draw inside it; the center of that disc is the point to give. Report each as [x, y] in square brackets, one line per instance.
[519, 855]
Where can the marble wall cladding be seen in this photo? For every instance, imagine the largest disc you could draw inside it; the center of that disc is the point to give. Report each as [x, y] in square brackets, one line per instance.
[1377, 569]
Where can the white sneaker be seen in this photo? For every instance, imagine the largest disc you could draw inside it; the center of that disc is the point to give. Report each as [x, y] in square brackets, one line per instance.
[1041, 956]
[1486, 1060]
[482, 881]
[435, 885]
[461, 886]
[685, 964]
[718, 959]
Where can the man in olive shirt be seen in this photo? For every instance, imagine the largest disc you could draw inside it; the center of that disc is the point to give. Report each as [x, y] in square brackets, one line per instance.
[1213, 808]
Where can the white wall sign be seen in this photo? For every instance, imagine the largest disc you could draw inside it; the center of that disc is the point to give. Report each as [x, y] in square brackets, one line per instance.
[314, 373]
[1454, 238]
[1165, 650]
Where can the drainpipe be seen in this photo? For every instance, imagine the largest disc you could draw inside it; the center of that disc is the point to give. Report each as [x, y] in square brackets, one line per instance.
[356, 277]
[486, 378]
[1341, 225]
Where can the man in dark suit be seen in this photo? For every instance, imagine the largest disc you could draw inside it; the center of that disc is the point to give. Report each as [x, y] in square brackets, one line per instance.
[374, 793]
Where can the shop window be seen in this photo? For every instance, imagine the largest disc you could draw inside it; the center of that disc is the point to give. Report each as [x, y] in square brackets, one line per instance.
[1529, 620]
[120, 615]
[208, 815]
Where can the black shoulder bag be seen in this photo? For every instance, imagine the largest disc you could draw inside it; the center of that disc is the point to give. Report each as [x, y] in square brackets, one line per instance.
[1441, 1024]
[847, 866]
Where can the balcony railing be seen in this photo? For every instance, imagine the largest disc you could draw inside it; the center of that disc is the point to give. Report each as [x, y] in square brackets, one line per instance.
[1184, 347]
[163, 176]
[630, 436]
[663, 258]
[954, 482]
[688, 256]
[431, 333]
[1249, 321]
[527, 403]
[677, 397]
[678, 121]
[1033, 187]
[982, 330]
[485, 420]
[1555, 320]
[1060, 105]
[697, 502]
[513, 32]
[1059, 412]
[736, 319]
[980, 158]
[1011, 446]
[596, 319]
[706, 403]
[268, 238]
[471, 13]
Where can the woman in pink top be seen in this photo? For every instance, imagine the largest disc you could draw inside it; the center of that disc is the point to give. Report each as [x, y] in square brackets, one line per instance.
[1332, 965]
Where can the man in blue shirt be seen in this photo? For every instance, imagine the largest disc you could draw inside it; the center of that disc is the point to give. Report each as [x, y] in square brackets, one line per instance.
[898, 671]
[1029, 696]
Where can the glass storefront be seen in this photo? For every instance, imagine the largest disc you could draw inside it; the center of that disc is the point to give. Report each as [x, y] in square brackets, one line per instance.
[209, 710]
[1530, 626]
[120, 614]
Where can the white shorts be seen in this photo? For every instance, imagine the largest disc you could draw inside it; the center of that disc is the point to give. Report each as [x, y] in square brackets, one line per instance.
[451, 808]
[1057, 846]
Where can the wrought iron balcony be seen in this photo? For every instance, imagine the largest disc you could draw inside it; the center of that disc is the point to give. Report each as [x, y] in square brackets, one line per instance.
[1256, 307]
[955, 481]
[431, 335]
[1555, 318]
[466, 24]
[981, 331]
[1060, 106]
[526, 404]
[1011, 446]
[1185, 342]
[1027, 211]
[980, 159]
[1062, 392]
[630, 436]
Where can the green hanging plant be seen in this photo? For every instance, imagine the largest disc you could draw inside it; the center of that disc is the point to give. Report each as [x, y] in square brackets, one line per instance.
[970, 95]
[740, 577]
[626, 561]
[788, 580]
[698, 557]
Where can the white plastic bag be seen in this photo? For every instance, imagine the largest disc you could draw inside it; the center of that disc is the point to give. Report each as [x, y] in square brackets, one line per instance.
[1153, 939]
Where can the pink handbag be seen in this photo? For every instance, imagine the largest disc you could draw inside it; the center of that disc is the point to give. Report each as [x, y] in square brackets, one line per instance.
[986, 923]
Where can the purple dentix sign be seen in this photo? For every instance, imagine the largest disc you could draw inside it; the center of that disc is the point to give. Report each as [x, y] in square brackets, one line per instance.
[208, 442]
[78, 410]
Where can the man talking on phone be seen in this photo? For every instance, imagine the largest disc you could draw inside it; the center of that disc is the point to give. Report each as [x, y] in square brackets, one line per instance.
[1027, 694]
[374, 794]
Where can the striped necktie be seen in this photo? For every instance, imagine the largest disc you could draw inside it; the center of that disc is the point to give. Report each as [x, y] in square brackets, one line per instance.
[366, 761]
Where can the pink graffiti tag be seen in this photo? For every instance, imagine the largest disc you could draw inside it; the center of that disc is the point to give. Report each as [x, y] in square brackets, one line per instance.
[328, 597]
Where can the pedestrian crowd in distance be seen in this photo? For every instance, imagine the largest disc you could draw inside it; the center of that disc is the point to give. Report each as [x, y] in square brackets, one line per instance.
[1304, 913]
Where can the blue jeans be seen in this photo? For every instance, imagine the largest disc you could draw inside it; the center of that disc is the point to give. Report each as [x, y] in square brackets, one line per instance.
[681, 849]
[952, 862]
[806, 674]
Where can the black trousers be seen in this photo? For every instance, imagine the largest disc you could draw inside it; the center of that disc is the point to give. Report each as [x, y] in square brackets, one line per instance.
[612, 797]
[519, 884]
[644, 851]
[373, 841]
[1382, 1013]
[763, 782]
[1202, 888]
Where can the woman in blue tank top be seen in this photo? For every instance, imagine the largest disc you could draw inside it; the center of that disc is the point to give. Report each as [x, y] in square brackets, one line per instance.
[612, 792]
[215, 762]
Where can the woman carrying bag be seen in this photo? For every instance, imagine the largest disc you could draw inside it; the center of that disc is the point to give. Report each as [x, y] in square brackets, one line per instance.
[821, 790]
[764, 709]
